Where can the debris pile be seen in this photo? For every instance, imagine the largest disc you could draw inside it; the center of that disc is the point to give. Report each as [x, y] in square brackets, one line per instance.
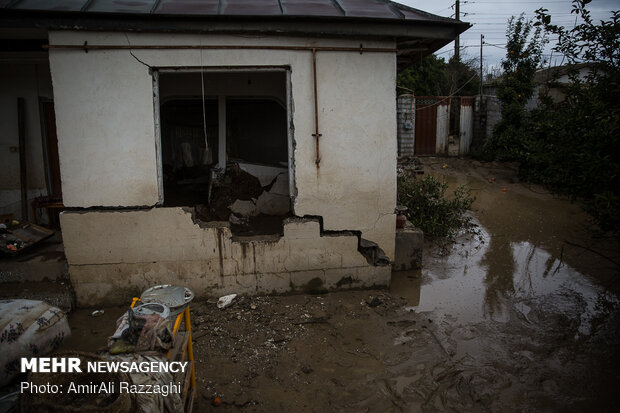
[409, 166]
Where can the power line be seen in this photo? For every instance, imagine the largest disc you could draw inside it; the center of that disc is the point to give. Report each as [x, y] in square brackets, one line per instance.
[524, 14]
[520, 2]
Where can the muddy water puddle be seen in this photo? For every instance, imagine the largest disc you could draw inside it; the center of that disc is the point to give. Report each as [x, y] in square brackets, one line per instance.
[521, 308]
[512, 319]
[477, 280]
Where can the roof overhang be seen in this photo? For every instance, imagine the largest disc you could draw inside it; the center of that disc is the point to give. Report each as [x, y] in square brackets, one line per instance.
[414, 38]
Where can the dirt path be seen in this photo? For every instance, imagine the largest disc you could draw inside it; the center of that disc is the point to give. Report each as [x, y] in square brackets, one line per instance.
[513, 319]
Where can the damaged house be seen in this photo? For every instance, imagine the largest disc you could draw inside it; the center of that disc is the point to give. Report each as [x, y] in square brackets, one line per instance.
[239, 146]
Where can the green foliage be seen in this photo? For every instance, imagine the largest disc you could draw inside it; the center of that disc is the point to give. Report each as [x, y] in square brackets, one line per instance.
[524, 49]
[430, 210]
[433, 76]
[464, 78]
[426, 77]
[572, 146]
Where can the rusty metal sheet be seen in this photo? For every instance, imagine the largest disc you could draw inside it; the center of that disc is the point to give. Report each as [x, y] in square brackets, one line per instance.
[311, 8]
[204, 7]
[425, 125]
[443, 126]
[51, 5]
[250, 8]
[466, 126]
[122, 6]
[368, 8]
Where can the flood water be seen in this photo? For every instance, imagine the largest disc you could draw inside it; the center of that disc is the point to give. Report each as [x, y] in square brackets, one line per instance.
[529, 303]
[522, 316]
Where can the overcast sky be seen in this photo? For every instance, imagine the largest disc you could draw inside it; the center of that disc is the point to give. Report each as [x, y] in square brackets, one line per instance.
[490, 17]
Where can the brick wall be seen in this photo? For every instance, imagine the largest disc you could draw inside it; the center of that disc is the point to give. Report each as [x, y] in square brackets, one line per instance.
[406, 125]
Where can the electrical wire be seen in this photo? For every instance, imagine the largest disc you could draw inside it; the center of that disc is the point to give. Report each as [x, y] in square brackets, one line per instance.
[451, 96]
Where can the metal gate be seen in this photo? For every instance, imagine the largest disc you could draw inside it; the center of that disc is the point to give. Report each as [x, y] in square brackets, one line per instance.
[432, 115]
[466, 124]
[425, 125]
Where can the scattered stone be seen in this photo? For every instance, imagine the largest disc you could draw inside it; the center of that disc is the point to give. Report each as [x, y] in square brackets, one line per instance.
[374, 302]
[226, 301]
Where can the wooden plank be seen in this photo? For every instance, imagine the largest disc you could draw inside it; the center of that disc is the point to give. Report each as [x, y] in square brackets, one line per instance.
[190, 406]
[30, 234]
[186, 386]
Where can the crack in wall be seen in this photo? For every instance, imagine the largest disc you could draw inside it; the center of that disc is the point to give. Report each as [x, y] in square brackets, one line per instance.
[371, 251]
[374, 255]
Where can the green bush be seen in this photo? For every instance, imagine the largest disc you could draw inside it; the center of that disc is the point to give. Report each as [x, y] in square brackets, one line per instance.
[431, 211]
[569, 146]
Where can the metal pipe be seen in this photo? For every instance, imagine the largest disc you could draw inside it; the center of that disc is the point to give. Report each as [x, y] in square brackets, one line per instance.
[316, 133]
[87, 47]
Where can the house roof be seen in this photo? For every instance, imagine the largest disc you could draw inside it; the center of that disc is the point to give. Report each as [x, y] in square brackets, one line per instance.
[552, 73]
[374, 9]
[417, 33]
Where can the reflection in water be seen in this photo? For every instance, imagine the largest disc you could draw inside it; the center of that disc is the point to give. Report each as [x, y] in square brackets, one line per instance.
[407, 285]
[499, 280]
[514, 313]
[486, 278]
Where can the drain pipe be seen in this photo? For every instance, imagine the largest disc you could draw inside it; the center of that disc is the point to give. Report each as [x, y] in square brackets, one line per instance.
[316, 133]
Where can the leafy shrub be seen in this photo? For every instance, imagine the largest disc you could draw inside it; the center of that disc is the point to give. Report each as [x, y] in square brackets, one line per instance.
[569, 146]
[430, 210]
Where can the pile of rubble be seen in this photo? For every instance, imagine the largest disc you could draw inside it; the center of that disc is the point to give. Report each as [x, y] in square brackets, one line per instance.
[409, 166]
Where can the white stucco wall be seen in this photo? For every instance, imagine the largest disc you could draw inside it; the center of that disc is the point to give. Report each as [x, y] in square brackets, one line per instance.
[106, 128]
[110, 261]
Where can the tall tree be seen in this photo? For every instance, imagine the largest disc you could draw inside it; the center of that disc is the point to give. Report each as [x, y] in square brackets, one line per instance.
[433, 76]
[524, 47]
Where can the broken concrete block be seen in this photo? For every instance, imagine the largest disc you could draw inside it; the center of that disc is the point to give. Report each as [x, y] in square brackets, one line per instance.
[338, 278]
[301, 229]
[274, 283]
[325, 259]
[308, 281]
[374, 276]
[409, 245]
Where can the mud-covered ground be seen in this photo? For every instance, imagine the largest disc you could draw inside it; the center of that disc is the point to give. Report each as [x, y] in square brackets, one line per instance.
[521, 316]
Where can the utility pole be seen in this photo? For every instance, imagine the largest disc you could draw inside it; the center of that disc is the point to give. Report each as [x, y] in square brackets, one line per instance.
[457, 9]
[481, 43]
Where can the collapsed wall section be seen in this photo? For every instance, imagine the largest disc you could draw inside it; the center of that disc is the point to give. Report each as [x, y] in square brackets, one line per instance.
[114, 255]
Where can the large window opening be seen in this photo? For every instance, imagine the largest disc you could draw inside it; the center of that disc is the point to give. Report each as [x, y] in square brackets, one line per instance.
[224, 138]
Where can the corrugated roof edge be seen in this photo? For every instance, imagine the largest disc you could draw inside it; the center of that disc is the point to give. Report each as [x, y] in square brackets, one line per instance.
[28, 17]
[395, 7]
[437, 29]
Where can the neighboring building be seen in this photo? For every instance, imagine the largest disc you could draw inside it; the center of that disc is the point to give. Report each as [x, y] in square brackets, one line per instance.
[168, 112]
[554, 79]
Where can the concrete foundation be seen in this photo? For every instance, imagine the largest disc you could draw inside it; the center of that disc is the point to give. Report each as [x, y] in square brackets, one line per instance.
[409, 246]
[115, 255]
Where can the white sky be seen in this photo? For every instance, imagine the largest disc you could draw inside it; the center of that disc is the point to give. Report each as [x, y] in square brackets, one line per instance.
[490, 19]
